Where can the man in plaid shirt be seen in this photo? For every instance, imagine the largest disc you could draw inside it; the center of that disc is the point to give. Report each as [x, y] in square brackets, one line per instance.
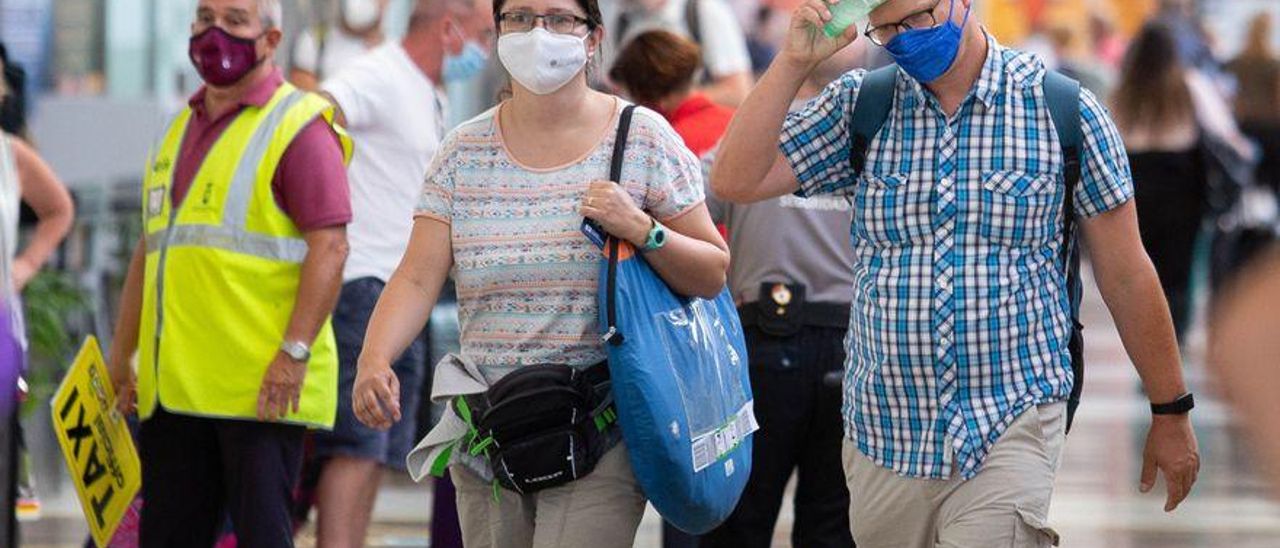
[958, 366]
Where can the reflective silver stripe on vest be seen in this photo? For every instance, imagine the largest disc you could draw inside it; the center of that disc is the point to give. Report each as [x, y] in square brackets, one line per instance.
[235, 211]
[232, 235]
[291, 250]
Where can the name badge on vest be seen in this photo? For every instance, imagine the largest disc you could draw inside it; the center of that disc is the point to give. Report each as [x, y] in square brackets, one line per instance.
[155, 201]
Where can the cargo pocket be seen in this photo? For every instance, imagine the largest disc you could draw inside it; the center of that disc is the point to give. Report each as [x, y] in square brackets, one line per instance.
[1033, 532]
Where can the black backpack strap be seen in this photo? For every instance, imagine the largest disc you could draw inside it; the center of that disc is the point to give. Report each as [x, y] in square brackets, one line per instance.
[1063, 96]
[870, 112]
[613, 336]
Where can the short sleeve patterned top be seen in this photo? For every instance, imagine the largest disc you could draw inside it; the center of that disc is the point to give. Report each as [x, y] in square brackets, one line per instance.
[526, 276]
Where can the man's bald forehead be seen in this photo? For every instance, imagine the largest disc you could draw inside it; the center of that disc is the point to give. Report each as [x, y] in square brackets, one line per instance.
[437, 8]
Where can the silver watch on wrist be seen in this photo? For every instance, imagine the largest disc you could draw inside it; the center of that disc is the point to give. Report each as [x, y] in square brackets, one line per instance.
[296, 350]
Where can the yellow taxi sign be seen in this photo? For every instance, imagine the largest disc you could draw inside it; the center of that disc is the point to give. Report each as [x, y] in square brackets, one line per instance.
[96, 443]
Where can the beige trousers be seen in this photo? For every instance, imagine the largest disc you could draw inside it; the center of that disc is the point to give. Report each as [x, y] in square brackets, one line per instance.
[601, 510]
[1005, 506]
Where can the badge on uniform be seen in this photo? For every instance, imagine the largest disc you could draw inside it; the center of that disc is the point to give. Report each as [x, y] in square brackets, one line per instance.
[781, 295]
[155, 201]
[780, 308]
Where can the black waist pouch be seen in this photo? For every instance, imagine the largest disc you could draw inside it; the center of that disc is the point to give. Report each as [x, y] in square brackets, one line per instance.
[542, 426]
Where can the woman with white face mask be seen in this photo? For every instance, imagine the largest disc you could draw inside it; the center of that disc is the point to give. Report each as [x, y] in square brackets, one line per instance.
[502, 210]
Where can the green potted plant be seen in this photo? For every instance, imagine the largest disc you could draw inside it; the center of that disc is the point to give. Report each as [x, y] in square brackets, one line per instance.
[48, 300]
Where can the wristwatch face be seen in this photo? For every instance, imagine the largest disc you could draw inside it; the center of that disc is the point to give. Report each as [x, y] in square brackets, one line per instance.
[297, 351]
[657, 237]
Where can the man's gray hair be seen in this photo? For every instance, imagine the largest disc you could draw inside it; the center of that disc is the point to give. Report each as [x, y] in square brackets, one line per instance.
[271, 13]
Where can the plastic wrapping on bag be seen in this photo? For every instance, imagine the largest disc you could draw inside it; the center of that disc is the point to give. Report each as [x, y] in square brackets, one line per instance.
[709, 373]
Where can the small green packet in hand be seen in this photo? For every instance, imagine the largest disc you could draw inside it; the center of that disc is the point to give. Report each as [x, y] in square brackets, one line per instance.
[845, 13]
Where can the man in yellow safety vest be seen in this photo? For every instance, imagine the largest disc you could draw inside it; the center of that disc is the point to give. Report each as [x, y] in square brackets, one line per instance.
[228, 295]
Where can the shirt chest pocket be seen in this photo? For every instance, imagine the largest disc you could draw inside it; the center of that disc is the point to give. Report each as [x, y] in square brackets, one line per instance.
[891, 210]
[1019, 209]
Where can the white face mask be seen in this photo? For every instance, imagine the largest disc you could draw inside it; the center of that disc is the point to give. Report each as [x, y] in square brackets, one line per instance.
[541, 61]
[361, 15]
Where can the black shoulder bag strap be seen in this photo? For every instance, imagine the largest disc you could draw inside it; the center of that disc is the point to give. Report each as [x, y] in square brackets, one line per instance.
[613, 336]
[870, 112]
[1063, 95]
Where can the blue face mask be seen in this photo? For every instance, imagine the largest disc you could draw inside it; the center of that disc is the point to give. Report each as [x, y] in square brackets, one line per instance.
[465, 65]
[927, 54]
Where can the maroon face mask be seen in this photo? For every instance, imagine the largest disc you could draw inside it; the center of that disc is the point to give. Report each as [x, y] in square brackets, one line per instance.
[220, 58]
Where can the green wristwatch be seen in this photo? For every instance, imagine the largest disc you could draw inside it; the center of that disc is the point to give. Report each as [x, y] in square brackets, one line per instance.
[657, 236]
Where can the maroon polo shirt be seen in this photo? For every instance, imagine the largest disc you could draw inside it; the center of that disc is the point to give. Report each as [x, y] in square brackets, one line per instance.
[310, 184]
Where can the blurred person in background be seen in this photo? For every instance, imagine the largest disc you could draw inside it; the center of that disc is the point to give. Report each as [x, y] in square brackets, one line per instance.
[392, 101]
[656, 70]
[1154, 109]
[1108, 45]
[25, 179]
[1165, 110]
[321, 51]
[1191, 40]
[727, 74]
[1092, 75]
[770, 30]
[791, 274]
[1243, 353]
[501, 212]
[1257, 104]
[959, 363]
[760, 45]
[229, 292]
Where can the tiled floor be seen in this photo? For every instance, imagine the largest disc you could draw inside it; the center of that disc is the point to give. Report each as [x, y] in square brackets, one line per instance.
[1097, 502]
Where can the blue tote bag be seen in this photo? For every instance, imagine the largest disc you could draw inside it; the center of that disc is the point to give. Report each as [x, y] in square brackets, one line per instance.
[680, 384]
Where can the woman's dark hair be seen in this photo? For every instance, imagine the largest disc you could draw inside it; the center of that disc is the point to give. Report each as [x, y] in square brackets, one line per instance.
[13, 108]
[1153, 92]
[655, 65]
[590, 7]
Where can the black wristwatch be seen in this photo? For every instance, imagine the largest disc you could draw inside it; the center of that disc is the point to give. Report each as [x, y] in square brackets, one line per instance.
[1181, 406]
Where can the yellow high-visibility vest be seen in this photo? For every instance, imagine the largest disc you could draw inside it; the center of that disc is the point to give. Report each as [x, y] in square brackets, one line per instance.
[223, 269]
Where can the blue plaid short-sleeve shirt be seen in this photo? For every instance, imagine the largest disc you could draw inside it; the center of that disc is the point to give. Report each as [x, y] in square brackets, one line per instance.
[960, 319]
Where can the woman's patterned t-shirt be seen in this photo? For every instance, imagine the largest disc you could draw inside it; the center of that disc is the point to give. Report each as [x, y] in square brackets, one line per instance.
[526, 275]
